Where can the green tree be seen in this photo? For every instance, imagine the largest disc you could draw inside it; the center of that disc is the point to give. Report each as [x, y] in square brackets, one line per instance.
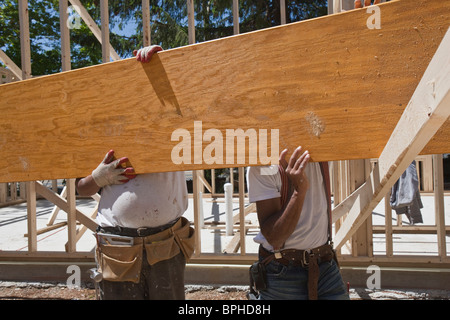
[213, 19]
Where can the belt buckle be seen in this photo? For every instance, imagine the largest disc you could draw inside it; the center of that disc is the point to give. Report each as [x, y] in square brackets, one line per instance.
[277, 254]
[141, 232]
[306, 254]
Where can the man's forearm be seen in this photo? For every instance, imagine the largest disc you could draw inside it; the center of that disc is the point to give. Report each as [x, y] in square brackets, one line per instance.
[86, 186]
[278, 227]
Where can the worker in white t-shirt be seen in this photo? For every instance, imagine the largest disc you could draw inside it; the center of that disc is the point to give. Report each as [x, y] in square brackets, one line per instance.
[138, 215]
[293, 205]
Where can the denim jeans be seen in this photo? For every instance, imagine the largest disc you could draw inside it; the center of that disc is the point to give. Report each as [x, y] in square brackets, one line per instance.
[291, 282]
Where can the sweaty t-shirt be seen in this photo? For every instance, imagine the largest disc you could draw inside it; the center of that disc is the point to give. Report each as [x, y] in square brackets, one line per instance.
[311, 230]
[149, 200]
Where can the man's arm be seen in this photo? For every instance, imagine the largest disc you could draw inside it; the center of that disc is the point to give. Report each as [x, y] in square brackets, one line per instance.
[277, 224]
[86, 186]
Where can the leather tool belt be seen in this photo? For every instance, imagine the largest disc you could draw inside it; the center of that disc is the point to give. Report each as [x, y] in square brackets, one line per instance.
[120, 257]
[309, 259]
[136, 232]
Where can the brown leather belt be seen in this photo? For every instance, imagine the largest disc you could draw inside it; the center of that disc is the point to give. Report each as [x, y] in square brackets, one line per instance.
[136, 232]
[309, 259]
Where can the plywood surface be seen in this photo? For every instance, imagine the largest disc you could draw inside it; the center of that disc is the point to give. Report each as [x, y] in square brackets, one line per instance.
[329, 84]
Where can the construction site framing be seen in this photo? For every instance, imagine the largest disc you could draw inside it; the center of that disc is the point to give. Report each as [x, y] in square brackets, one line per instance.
[354, 239]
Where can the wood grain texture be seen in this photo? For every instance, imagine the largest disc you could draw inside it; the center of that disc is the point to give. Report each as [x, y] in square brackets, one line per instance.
[427, 110]
[329, 84]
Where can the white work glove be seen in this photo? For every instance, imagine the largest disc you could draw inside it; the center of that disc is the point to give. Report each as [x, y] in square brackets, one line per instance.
[111, 172]
[146, 53]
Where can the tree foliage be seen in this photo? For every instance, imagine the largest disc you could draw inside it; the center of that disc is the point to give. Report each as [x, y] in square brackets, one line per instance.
[169, 26]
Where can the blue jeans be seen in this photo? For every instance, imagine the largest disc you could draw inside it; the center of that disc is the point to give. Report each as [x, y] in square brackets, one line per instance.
[291, 282]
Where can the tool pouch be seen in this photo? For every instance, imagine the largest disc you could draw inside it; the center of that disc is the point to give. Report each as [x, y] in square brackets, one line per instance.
[185, 238]
[164, 246]
[161, 250]
[258, 276]
[119, 262]
[124, 262]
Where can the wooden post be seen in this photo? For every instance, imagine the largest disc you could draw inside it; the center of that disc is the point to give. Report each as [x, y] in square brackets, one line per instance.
[388, 222]
[283, 11]
[31, 216]
[337, 6]
[362, 244]
[104, 14]
[232, 177]
[198, 238]
[242, 232]
[71, 216]
[235, 16]
[3, 191]
[25, 39]
[65, 35]
[213, 182]
[147, 39]
[191, 21]
[438, 175]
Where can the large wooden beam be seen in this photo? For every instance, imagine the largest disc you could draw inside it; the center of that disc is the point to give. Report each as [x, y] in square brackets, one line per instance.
[427, 110]
[330, 84]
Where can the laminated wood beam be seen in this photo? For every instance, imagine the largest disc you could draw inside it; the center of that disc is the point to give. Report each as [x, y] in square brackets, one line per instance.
[426, 112]
[330, 84]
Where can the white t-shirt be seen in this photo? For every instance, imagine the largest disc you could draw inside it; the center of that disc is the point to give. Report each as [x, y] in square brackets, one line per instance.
[149, 200]
[312, 227]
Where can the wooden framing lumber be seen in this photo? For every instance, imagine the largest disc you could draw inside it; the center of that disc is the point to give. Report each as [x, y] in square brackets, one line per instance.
[65, 35]
[25, 47]
[92, 25]
[104, 16]
[340, 98]
[31, 216]
[10, 64]
[65, 205]
[146, 29]
[438, 177]
[426, 112]
[49, 228]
